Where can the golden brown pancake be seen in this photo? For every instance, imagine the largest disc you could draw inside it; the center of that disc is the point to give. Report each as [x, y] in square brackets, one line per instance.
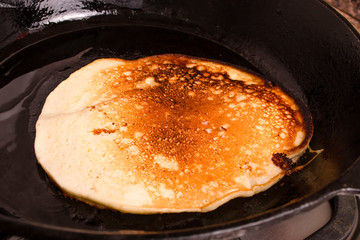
[167, 133]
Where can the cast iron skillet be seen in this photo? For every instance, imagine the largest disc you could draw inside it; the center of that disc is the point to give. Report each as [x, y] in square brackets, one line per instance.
[302, 45]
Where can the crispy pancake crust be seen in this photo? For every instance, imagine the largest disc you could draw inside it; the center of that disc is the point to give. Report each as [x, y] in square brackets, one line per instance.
[167, 133]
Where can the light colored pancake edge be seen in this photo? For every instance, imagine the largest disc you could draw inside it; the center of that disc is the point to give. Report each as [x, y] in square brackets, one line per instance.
[101, 204]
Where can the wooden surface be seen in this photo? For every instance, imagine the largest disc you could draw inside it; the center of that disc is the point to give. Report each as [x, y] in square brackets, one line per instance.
[350, 9]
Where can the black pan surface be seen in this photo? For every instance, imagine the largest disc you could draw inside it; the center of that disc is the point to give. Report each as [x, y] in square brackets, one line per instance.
[301, 45]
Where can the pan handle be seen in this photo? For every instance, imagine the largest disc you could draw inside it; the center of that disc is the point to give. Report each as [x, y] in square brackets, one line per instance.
[349, 183]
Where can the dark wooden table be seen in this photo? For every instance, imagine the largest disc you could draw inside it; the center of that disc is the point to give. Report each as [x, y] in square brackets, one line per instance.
[350, 9]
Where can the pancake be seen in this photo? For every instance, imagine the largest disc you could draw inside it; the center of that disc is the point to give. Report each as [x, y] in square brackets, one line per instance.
[167, 133]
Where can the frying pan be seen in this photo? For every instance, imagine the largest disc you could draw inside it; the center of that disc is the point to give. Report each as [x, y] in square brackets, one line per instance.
[304, 46]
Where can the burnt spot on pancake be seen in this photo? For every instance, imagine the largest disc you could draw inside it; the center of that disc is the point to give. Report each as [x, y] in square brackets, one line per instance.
[282, 161]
